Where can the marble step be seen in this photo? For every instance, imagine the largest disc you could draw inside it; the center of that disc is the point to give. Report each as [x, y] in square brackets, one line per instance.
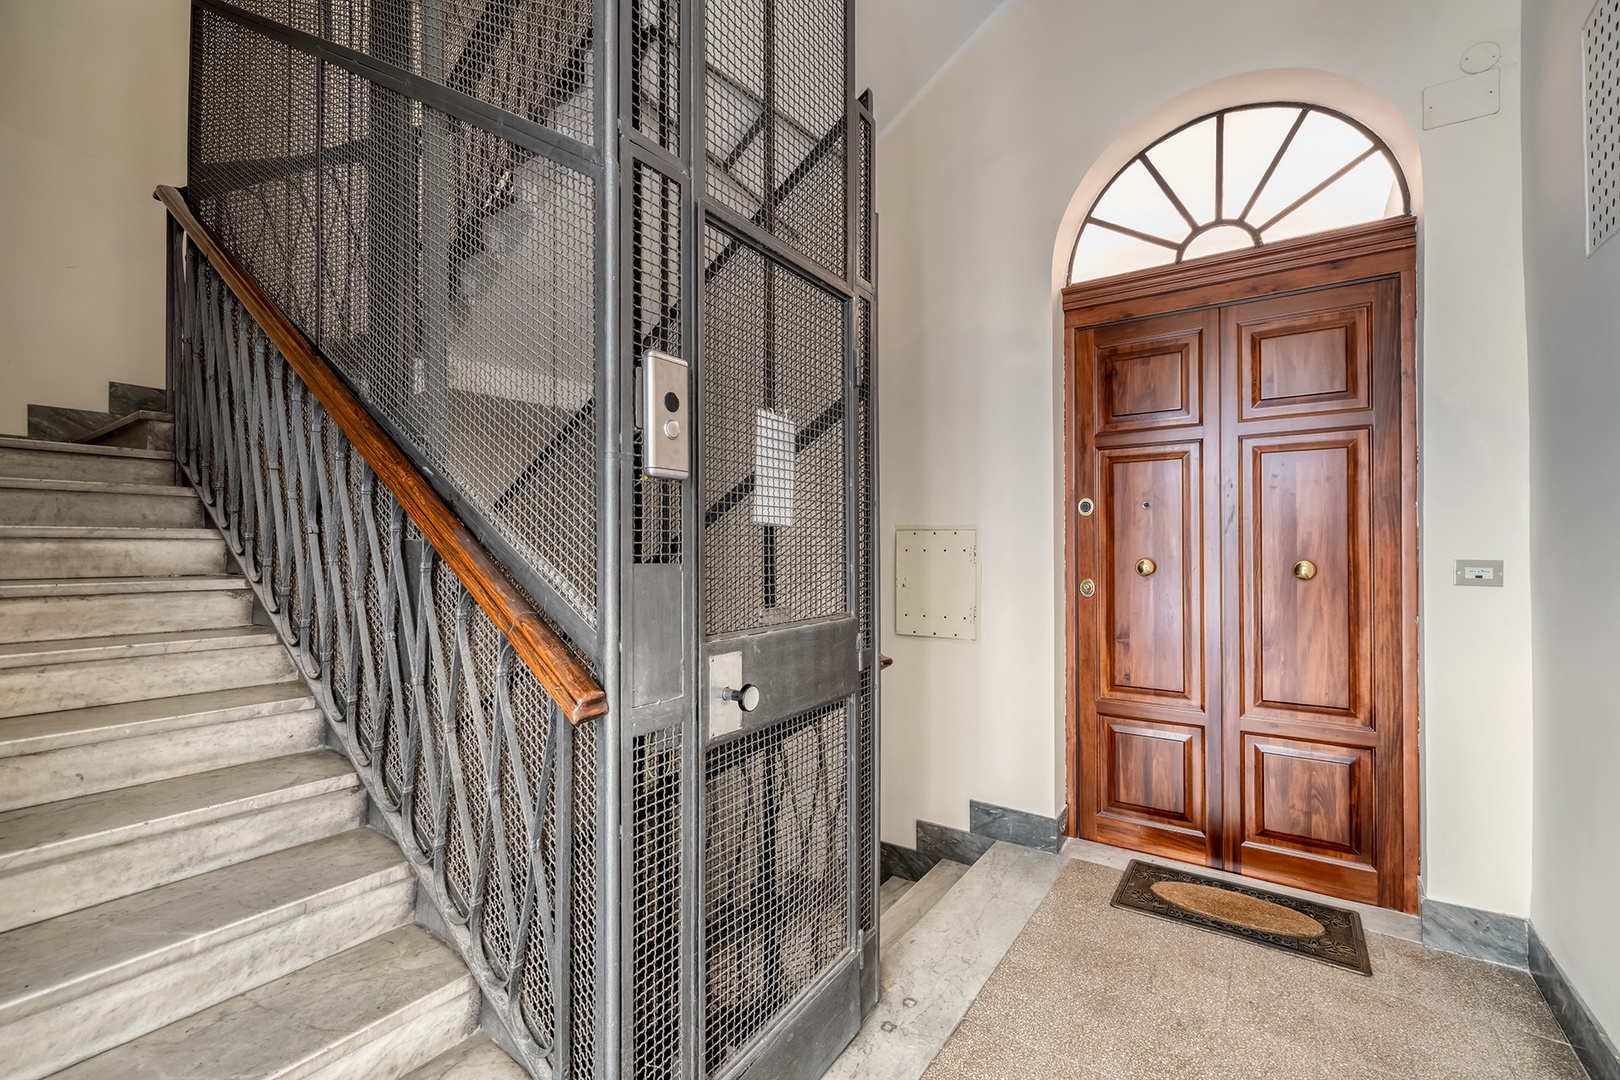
[76, 985]
[88, 607]
[77, 673]
[89, 551]
[62, 856]
[475, 1059]
[378, 1010]
[62, 755]
[931, 973]
[892, 890]
[70, 461]
[25, 501]
[918, 901]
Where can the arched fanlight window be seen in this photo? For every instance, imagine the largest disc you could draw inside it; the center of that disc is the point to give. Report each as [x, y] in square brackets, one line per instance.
[1237, 179]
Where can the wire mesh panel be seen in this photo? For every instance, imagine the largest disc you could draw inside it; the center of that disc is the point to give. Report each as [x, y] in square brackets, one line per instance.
[866, 750]
[775, 871]
[656, 889]
[655, 71]
[531, 58]
[656, 324]
[447, 271]
[776, 510]
[774, 119]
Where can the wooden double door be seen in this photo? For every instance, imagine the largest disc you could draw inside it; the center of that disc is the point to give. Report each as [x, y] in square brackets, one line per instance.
[1243, 567]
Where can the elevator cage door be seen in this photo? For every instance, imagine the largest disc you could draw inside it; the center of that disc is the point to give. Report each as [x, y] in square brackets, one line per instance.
[751, 927]
[487, 216]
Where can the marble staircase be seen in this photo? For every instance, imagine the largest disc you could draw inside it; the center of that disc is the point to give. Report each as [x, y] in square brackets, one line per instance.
[188, 887]
[941, 937]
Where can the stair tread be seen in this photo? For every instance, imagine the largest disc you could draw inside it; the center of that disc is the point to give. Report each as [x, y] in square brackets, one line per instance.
[39, 732]
[103, 532]
[478, 1058]
[901, 915]
[94, 487]
[123, 646]
[892, 890]
[296, 1024]
[65, 957]
[8, 442]
[36, 834]
[25, 587]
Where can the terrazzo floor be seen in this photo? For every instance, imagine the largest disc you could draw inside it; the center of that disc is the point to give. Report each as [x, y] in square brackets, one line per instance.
[1091, 992]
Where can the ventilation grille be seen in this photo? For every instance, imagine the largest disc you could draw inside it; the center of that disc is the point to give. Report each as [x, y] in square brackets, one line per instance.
[773, 384]
[448, 273]
[776, 865]
[1600, 45]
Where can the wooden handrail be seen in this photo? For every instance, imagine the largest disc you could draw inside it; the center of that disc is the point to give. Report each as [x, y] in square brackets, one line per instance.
[536, 644]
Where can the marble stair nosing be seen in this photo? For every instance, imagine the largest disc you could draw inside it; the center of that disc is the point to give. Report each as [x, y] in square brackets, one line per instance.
[48, 502]
[60, 614]
[23, 654]
[903, 914]
[38, 459]
[892, 890]
[123, 760]
[38, 733]
[312, 1024]
[245, 660]
[476, 1058]
[45, 588]
[81, 983]
[43, 551]
[63, 856]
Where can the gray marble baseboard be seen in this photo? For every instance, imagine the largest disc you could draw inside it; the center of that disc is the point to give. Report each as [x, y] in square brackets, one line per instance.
[1586, 1036]
[1014, 826]
[943, 842]
[57, 424]
[124, 398]
[903, 862]
[1483, 935]
[987, 823]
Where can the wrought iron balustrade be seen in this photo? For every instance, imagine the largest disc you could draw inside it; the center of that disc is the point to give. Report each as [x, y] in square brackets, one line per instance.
[482, 763]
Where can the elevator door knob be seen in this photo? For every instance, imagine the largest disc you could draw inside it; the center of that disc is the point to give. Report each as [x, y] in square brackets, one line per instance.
[747, 698]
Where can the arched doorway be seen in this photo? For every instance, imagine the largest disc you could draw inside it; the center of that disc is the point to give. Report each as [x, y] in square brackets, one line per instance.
[1240, 454]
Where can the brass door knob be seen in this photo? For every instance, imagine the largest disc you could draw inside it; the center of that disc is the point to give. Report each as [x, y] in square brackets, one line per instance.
[1304, 569]
[1145, 567]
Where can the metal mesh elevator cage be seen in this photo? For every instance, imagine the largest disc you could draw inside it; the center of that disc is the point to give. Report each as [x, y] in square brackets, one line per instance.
[490, 217]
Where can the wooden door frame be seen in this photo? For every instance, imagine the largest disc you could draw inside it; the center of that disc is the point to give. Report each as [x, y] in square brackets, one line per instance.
[1381, 249]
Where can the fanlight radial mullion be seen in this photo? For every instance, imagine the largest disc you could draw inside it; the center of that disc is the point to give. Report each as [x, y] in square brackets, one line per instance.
[1238, 178]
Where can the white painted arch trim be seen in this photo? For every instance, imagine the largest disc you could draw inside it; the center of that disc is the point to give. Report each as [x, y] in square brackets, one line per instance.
[1305, 85]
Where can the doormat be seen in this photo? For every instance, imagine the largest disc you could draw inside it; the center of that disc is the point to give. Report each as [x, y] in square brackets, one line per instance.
[1303, 927]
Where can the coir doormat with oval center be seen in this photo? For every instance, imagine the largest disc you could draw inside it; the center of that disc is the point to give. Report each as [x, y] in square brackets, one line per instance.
[1319, 931]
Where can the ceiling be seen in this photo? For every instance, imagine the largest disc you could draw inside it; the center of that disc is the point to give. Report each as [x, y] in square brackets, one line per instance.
[901, 46]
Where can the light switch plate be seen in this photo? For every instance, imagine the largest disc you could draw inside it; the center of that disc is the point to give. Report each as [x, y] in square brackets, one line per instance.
[936, 583]
[1479, 573]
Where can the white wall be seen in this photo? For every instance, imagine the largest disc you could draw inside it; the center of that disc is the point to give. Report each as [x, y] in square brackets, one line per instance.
[1574, 324]
[977, 191]
[92, 118]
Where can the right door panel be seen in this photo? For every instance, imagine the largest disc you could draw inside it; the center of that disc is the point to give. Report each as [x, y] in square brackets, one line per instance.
[1311, 444]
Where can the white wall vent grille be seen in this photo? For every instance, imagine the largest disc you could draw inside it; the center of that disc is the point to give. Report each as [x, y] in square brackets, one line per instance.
[1600, 72]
